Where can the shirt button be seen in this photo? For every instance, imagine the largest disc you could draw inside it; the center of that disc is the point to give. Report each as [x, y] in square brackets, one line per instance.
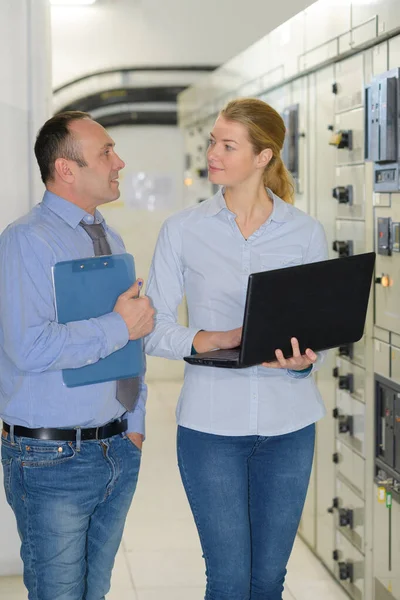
[116, 348]
[89, 362]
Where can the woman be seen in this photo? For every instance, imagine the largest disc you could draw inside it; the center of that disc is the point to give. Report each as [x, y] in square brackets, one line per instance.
[246, 436]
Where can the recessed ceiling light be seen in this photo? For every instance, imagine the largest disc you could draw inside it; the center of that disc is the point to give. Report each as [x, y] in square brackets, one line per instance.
[71, 2]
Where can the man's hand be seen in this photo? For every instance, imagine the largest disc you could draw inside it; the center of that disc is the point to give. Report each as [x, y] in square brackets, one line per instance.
[137, 313]
[297, 363]
[136, 439]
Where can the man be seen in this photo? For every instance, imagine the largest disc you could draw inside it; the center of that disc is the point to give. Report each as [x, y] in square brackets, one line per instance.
[70, 456]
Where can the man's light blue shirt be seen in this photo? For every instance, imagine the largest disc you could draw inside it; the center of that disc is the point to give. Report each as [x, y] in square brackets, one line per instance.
[201, 253]
[34, 348]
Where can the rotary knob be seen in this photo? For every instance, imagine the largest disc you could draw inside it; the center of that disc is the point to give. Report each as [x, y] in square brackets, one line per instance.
[346, 517]
[346, 382]
[346, 350]
[343, 248]
[345, 571]
[345, 424]
[384, 280]
[343, 194]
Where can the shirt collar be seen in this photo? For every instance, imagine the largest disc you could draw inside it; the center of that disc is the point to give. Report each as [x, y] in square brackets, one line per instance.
[280, 212]
[69, 212]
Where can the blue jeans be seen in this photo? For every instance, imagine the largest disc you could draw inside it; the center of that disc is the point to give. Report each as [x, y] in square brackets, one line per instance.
[70, 505]
[247, 495]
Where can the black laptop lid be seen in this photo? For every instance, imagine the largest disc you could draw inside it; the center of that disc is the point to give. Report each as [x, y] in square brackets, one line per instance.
[322, 304]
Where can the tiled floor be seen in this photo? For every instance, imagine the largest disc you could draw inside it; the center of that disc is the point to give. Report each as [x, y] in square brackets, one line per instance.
[160, 557]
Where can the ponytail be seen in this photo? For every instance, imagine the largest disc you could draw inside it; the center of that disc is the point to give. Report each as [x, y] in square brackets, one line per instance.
[278, 179]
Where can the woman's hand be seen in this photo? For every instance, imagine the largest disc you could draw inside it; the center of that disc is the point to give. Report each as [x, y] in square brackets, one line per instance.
[228, 339]
[297, 363]
[204, 341]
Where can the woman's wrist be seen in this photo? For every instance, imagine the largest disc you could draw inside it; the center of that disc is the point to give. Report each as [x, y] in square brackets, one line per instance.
[302, 370]
[204, 341]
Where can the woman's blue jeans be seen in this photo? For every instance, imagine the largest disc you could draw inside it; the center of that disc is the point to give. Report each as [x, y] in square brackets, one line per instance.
[247, 495]
[70, 504]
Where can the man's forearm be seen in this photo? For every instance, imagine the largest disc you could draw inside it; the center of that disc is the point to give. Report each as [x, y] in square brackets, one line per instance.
[55, 347]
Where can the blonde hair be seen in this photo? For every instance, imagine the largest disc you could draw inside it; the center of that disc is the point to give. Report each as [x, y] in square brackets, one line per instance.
[266, 129]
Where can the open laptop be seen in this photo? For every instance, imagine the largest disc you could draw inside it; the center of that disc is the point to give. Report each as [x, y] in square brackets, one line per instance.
[322, 304]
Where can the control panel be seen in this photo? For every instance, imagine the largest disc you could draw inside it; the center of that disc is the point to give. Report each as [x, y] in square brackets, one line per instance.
[387, 431]
[290, 152]
[381, 130]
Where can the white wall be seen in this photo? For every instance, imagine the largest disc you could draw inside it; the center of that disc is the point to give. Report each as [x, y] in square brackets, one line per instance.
[25, 71]
[25, 100]
[153, 151]
[324, 30]
[116, 33]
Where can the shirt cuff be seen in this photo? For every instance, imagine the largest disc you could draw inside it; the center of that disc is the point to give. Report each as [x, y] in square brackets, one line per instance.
[300, 374]
[115, 331]
[136, 418]
[193, 350]
[191, 334]
[136, 421]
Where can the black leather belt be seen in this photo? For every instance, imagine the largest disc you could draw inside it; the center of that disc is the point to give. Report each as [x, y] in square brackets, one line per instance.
[69, 435]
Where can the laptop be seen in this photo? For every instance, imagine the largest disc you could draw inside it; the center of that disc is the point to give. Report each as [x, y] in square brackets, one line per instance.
[322, 304]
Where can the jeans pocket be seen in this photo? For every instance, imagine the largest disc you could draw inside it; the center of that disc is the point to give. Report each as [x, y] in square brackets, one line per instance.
[6, 463]
[132, 444]
[47, 455]
[6, 443]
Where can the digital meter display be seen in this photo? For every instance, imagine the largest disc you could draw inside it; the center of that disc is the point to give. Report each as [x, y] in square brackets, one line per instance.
[396, 237]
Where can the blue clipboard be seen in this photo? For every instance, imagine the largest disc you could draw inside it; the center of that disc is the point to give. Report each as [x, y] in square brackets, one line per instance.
[88, 288]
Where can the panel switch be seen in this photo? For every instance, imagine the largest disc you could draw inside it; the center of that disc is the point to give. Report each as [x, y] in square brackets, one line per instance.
[343, 248]
[342, 139]
[346, 517]
[346, 350]
[343, 194]
[346, 424]
[346, 382]
[345, 571]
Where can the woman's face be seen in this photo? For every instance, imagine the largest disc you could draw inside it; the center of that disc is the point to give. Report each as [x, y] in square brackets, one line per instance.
[230, 155]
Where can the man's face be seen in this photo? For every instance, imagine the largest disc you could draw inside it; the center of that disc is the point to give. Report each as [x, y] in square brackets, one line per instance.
[97, 183]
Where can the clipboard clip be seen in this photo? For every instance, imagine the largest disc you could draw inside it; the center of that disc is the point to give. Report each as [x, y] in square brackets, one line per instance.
[92, 264]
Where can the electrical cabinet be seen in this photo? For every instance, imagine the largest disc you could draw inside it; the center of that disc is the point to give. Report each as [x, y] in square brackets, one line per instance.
[386, 525]
[349, 512]
[381, 130]
[349, 566]
[387, 270]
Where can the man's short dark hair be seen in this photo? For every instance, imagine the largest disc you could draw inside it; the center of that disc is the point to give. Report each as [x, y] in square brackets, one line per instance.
[55, 140]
